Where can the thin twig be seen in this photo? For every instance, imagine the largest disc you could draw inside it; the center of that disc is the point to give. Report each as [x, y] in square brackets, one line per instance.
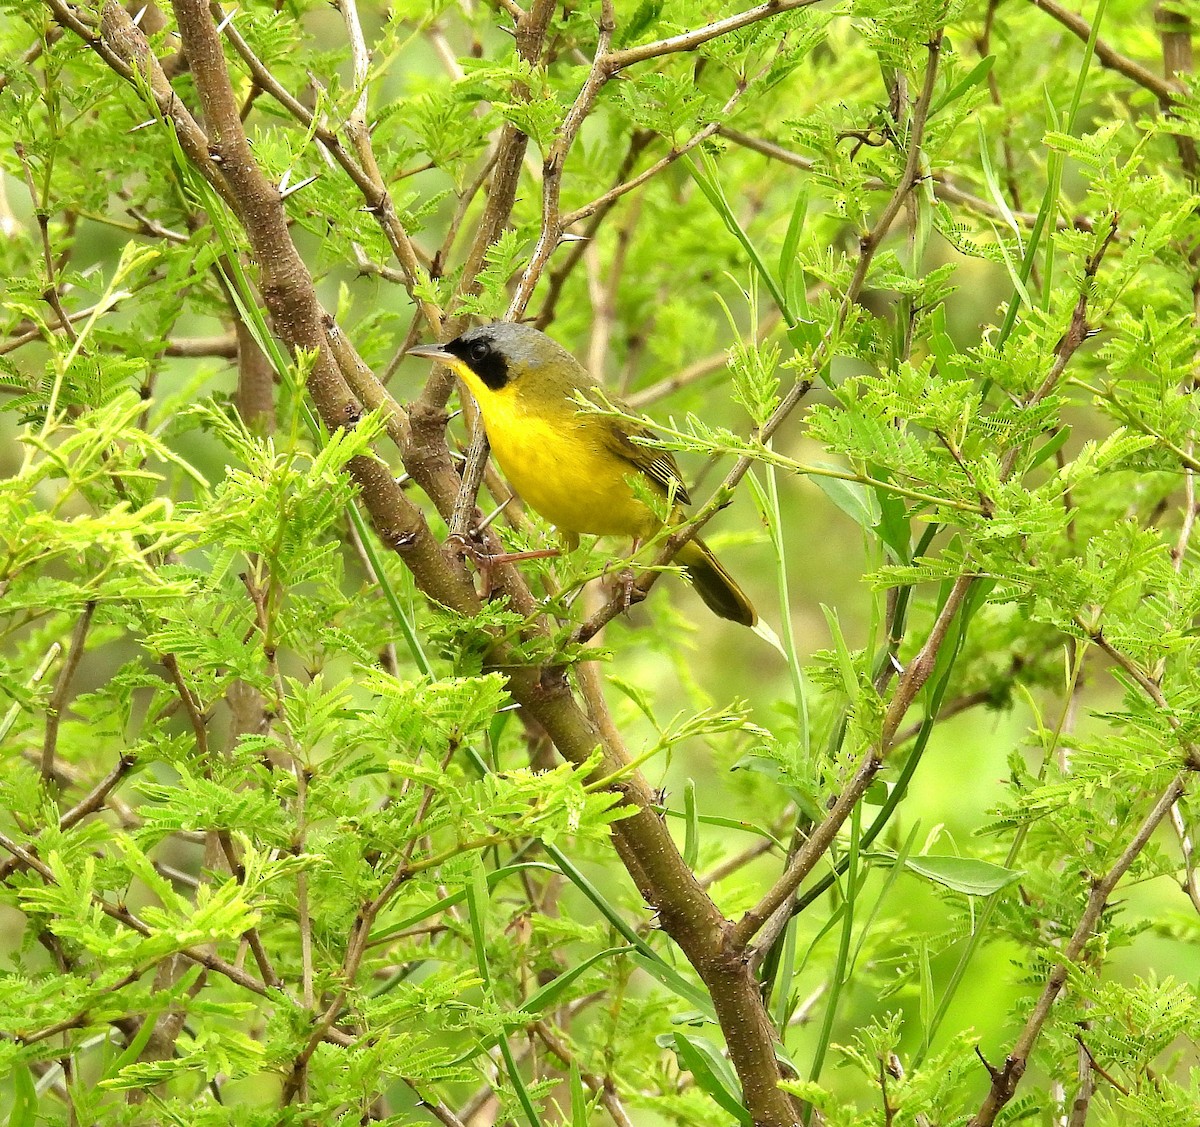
[1099, 1068]
[548, 239]
[558, 276]
[945, 187]
[610, 197]
[51, 292]
[1107, 55]
[97, 797]
[191, 705]
[601, 1085]
[706, 366]
[1006, 1078]
[690, 40]
[363, 172]
[62, 688]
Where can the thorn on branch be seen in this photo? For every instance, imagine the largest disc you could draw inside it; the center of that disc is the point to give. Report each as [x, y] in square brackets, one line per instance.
[284, 193]
[994, 1073]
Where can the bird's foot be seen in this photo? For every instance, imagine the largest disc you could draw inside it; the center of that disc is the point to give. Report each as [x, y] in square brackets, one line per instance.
[470, 546]
[624, 583]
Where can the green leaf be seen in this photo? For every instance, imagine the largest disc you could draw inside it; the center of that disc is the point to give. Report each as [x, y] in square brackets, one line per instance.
[963, 874]
[712, 1073]
[856, 500]
[24, 1111]
[977, 74]
[546, 997]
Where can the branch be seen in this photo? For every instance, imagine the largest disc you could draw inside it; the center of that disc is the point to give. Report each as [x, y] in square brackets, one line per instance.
[604, 202]
[601, 1085]
[548, 240]
[1114, 60]
[698, 370]
[123, 47]
[1005, 1079]
[690, 40]
[89, 804]
[921, 667]
[365, 175]
[1175, 32]
[62, 689]
[225, 346]
[552, 226]
[558, 277]
[945, 187]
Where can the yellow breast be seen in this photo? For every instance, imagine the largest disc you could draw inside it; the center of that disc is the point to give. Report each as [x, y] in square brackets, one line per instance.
[559, 464]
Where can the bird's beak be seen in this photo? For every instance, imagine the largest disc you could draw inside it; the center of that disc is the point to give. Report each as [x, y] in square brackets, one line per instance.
[432, 352]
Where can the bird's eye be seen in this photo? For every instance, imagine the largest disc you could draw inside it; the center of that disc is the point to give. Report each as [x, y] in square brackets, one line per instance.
[479, 350]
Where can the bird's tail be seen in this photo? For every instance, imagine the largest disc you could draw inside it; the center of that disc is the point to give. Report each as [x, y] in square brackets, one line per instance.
[714, 584]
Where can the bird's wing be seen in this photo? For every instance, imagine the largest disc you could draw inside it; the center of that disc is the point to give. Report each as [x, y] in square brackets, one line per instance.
[658, 465]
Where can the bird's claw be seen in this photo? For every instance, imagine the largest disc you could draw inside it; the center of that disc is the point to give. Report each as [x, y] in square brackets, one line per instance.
[470, 546]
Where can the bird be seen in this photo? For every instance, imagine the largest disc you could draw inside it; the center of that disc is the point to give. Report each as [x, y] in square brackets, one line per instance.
[572, 465]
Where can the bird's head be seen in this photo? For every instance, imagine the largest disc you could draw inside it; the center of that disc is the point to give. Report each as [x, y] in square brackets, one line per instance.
[505, 357]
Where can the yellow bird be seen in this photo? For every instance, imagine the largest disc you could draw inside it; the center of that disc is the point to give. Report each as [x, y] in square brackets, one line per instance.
[570, 465]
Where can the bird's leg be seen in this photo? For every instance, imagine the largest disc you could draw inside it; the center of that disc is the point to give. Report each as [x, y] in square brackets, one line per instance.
[629, 578]
[626, 579]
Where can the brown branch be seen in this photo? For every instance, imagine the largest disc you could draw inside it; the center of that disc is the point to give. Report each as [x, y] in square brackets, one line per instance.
[30, 335]
[602, 203]
[123, 47]
[466, 197]
[1095, 1064]
[51, 293]
[552, 226]
[62, 689]
[191, 705]
[1175, 32]
[97, 797]
[548, 239]
[1006, 1078]
[945, 186]
[601, 1085]
[822, 836]
[363, 172]
[694, 372]
[225, 346]
[1190, 883]
[690, 40]
[255, 392]
[1146, 683]
[559, 276]
[921, 667]
[1108, 56]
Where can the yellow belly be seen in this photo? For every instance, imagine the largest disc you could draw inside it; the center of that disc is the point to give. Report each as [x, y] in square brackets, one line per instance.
[563, 471]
